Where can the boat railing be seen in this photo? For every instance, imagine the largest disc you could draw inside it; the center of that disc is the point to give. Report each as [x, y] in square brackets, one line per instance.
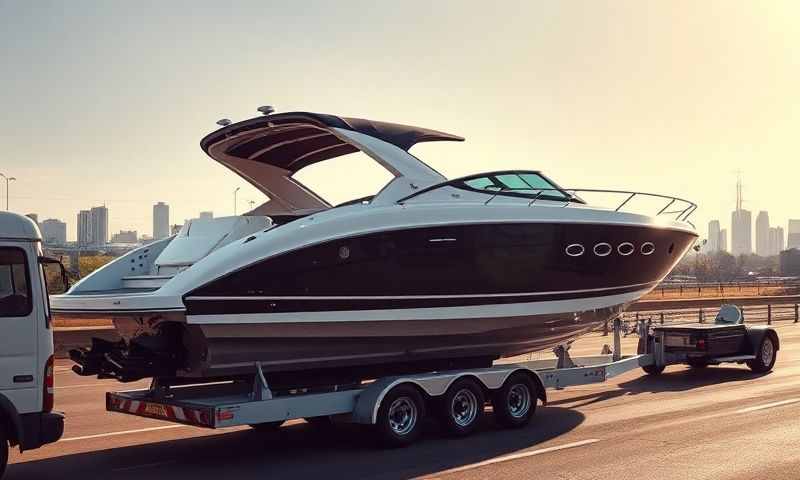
[675, 207]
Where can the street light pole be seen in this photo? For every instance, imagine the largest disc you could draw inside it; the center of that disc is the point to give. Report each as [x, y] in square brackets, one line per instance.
[8, 180]
[234, 200]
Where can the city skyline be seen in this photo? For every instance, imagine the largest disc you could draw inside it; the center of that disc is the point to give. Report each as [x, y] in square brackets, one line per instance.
[678, 110]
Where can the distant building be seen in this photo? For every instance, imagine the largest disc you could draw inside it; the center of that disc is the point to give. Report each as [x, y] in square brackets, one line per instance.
[793, 240]
[776, 244]
[84, 228]
[125, 236]
[160, 221]
[54, 232]
[206, 215]
[723, 240]
[34, 217]
[790, 262]
[99, 225]
[713, 244]
[741, 227]
[763, 242]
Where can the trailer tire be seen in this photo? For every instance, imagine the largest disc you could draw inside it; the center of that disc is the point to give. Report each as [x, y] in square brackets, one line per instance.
[653, 369]
[765, 356]
[399, 420]
[3, 450]
[514, 403]
[267, 427]
[697, 363]
[461, 408]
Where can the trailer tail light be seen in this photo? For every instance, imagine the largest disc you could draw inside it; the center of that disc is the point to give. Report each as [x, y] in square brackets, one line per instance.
[701, 344]
[48, 384]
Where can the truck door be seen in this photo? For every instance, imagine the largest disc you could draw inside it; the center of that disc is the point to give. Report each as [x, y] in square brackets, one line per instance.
[19, 364]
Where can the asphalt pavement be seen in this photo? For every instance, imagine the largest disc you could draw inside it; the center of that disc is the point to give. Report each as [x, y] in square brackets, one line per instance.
[723, 423]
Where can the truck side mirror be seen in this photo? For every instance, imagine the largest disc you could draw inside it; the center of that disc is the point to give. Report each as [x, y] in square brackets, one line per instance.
[54, 286]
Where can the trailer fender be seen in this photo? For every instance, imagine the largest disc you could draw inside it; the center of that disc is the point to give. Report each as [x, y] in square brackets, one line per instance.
[756, 334]
[11, 421]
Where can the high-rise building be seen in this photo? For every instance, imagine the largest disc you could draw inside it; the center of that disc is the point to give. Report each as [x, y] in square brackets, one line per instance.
[206, 215]
[763, 241]
[84, 228]
[741, 227]
[793, 239]
[54, 232]
[125, 236]
[713, 237]
[723, 240]
[160, 221]
[99, 225]
[775, 241]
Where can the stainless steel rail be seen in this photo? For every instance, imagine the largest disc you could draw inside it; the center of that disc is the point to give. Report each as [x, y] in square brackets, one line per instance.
[684, 210]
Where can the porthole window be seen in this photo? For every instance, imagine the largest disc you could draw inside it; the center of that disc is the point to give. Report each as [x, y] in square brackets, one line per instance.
[648, 248]
[575, 250]
[602, 249]
[625, 248]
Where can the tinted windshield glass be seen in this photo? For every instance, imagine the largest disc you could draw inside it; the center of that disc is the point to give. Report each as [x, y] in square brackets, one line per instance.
[522, 184]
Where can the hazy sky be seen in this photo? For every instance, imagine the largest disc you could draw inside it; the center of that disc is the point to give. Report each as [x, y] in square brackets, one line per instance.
[106, 102]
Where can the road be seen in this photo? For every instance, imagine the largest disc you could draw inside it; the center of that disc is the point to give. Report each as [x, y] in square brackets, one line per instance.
[722, 423]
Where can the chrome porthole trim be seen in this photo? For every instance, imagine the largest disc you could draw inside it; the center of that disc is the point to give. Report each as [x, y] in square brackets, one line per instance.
[575, 250]
[648, 248]
[625, 248]
[603, 249]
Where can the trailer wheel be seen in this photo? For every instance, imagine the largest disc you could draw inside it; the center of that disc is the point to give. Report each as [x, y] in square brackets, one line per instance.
[697, 363]
[399, 421]
[653, 369]
[514, 403]
[3, 450]
[461, 407]
[267, 426]
[765, 356]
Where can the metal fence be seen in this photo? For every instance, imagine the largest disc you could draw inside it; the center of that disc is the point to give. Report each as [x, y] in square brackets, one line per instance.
[722, 289]
[754, 314]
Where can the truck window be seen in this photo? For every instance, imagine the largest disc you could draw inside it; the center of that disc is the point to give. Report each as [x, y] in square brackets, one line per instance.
[15, 299]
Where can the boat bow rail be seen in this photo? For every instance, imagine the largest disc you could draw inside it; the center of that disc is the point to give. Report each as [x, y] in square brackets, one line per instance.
[675, 208]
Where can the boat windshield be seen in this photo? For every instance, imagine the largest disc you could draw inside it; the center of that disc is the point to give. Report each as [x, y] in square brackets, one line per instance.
[521, 184]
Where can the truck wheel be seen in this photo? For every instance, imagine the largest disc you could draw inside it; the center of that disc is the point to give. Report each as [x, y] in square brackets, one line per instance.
[267, 426]
[515, 402]
[653, 369]
[400, 415]
[765, 356]
[461, 407]
[3, 451]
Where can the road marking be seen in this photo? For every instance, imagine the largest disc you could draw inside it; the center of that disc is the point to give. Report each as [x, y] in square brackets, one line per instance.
[124, 432]
[768, 405]
[516, 456]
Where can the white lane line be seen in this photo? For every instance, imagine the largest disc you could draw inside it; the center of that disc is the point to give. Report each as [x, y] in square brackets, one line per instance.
[769, 405]
[516, 456]
[124, 432]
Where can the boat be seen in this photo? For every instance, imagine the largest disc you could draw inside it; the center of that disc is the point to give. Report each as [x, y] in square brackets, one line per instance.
[428, 273]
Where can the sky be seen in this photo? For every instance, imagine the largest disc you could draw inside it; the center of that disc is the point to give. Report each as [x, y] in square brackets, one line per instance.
[106, 102]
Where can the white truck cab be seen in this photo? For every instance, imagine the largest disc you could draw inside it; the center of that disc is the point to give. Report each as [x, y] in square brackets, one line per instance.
[27, 419]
